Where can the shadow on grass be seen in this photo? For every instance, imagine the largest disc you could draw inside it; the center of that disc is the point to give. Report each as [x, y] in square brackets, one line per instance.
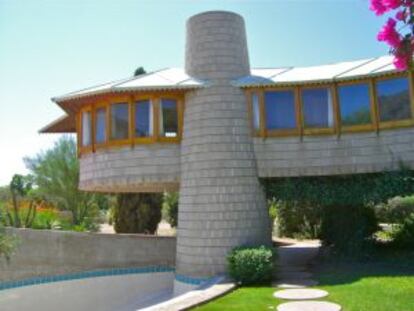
[383, 261]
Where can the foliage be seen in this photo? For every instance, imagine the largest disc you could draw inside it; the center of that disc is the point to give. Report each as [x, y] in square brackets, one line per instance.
[395, 210]
[398, 32]
[349, 228]
[7, 242]
[298, 220]
[403, 234]
[139, 71]
[170, 208]
[56, 175]
[307, 202]
[137, 212]
[251, 265]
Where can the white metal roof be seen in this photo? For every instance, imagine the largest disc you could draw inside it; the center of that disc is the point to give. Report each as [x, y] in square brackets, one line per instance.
[176, 78]
[165, 79]
[324, 73]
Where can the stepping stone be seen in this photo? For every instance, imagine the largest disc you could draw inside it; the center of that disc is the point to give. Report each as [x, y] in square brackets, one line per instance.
[300, 294]
[309, 306]
[294, 275]
[301, 283]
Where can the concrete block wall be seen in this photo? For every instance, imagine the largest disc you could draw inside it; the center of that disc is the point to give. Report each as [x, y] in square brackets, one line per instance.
[142, 168]
[221, 202]
[60, 252]
[331, 155]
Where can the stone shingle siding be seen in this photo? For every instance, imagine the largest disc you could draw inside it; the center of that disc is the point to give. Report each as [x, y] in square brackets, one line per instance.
[330, 155]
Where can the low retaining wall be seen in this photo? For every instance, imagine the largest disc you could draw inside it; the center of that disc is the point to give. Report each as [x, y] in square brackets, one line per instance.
[46, 252]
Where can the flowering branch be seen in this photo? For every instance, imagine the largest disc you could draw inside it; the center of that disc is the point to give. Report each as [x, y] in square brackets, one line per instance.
[401, 41]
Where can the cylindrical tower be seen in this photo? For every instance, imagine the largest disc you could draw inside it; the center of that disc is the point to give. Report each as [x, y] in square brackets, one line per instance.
[221, 202]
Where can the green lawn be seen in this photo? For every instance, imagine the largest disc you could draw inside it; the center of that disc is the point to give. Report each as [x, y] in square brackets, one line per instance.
[378, 286]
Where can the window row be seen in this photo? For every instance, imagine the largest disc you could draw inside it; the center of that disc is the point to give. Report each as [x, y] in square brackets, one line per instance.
[357, 106]
[122, 122]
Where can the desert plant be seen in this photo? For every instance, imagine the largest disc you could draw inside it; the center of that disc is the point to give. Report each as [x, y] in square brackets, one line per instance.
[251, 265]
[137, 212]
[170, 208]
[395, 210]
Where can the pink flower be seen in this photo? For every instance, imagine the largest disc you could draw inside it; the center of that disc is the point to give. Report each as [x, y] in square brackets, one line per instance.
[401, 62]
[378, 7]
[400, 16]
[391, 4]
[389, 35]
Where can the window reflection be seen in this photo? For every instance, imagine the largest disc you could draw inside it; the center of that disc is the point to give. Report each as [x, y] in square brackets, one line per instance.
[354, 103]
[280, 110]
[168, 118]
[256, 111]
[393, 99]
[143, 118]
[100, 126]
[317, 108]
[86, 129]
[119, 121]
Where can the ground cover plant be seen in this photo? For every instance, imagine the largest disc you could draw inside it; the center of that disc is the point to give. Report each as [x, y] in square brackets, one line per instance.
[384, 283]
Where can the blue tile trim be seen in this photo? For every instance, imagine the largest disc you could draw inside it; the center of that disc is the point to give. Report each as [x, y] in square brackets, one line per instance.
[191, 280]
[82, 275]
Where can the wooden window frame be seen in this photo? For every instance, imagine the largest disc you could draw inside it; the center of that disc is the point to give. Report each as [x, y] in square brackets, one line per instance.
[96, 107]
[89, 148]
[359, 127]
[320, 130]
[115, 101]
[281, 132]
[180, 115]
[396, 123]
[249, 95]
[146, 139]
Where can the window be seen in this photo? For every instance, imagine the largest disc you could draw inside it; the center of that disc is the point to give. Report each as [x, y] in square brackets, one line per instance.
[143, 118]
[317, 108]
[280, 110]
[168, 118]
[86, 128]
[354, 103]
[100, 125]
[393, 99]
[119, 121]
[255, 112]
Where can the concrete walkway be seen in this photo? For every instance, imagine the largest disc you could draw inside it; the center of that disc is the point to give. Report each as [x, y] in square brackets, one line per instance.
[293, 276]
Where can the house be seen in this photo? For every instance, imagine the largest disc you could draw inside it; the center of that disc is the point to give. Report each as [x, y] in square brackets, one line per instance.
[212, 129]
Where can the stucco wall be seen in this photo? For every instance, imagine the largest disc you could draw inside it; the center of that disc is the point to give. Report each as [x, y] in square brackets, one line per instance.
[46, 252]
[143, 168]
[330, 155]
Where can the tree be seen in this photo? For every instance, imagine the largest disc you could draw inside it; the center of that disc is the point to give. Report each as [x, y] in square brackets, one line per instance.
[56, 175]
[398, 32]
[170, 206]
[137, 212]
[139, 71]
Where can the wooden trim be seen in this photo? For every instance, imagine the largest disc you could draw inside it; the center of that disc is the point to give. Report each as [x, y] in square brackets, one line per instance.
[374, 104]
[336, 109]
[262, 111]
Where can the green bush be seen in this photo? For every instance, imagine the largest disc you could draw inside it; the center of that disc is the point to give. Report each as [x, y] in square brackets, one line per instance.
[395, 210]
[349, 229]
[170, 208]
[403, 234]
[299, 220]
[251, 265]
[137, 212]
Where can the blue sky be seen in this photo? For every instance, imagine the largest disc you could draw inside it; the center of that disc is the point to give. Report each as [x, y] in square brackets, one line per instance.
[50, 47]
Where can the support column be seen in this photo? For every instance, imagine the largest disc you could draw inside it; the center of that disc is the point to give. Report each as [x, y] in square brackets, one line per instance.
[221, 202]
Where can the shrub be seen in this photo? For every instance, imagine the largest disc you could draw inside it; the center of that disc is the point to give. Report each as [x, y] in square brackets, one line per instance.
[395, 210]
[299, 220]
[403, 234]
[251, 265]
[137, 213]
[349, 229]
[170, 208]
